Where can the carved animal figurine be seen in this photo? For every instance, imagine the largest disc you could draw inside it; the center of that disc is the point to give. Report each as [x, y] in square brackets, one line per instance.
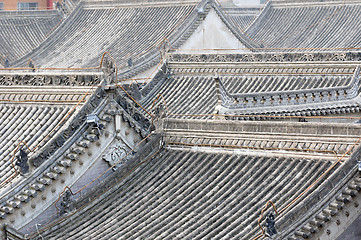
[22, 162]
[65, 204]
[270, 225]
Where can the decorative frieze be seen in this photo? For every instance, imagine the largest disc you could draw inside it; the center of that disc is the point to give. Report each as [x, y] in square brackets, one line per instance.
[50, 80]
[267, 57]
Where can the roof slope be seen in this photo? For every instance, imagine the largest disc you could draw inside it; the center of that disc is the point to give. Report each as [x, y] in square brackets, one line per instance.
[209, 191]
[242, 17]
[213, 190]
[30, 124]
[38, 114]
[314, 24]
[184, 95]
[125, 31]
[30, 116]
[21, 32]
[192, 195]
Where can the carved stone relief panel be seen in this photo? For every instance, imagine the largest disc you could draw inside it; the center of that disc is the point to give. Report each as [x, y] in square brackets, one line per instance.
[115, 153]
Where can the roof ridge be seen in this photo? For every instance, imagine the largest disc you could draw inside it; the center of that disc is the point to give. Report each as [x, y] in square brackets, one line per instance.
[135, 3]
[305, 3]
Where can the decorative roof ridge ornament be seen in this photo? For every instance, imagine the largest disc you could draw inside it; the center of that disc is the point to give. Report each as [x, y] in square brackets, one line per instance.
[22, 162]
[331, 58]
[201, 12]
[66, 205]
[270, 225]
[164, 49]
[93, 120]
[6, 63]
[218, 107]
[160, 113]
[31, 65]
[109, 68]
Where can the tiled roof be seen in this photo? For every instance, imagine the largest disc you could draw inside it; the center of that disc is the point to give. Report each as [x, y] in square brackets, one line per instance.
[21, 32]
[200, 192]
[184, 95]
[189, 87]
[30, 117]
[124, 31]
[42, 118]
[241, 16]
[198, 175]
[291, 25]
[30, 124]
[194, 195]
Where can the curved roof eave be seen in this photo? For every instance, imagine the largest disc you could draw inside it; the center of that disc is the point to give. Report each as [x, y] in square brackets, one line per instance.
[242, 36]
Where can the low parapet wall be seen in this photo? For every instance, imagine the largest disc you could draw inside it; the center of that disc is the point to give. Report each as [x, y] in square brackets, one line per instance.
[298, 140]
[324, 129]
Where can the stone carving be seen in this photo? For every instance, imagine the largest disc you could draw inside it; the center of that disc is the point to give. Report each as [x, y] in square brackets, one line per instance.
[22, 162]
[267, 57]
[115, 154]
[108, 66]
[45, 80]
[160, 111]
